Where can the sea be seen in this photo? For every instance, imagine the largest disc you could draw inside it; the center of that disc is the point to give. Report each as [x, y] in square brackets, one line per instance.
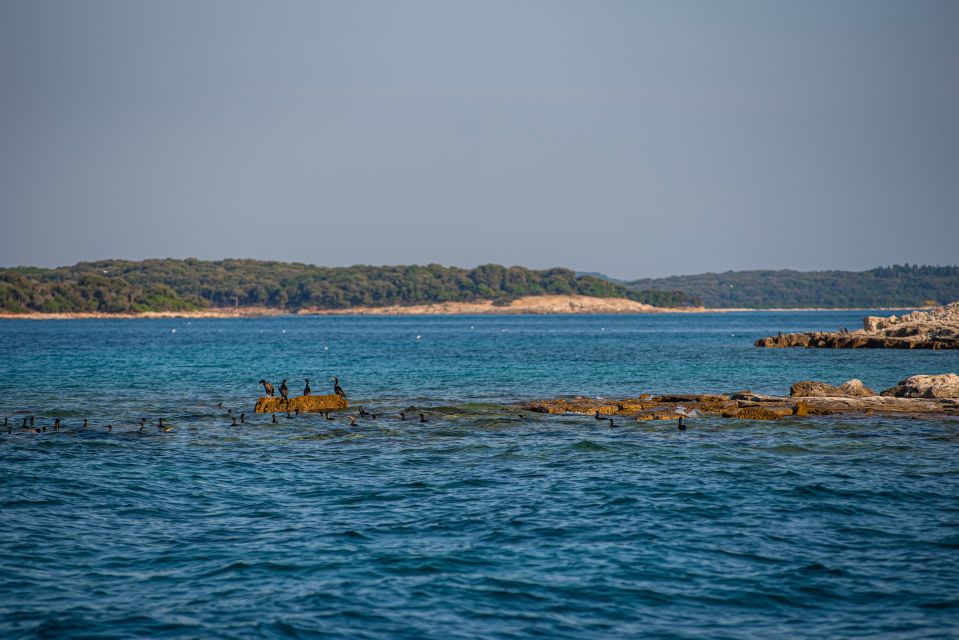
[486, 521]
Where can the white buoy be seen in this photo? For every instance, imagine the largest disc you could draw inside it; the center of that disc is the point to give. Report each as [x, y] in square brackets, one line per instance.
[172, 330]
[326, 348]
[417, 337]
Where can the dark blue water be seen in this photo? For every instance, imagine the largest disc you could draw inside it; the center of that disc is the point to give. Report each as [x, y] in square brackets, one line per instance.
[484, 522]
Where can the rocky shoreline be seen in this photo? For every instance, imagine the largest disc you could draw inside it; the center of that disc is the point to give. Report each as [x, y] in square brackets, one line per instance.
[922, 395]
[934, 329]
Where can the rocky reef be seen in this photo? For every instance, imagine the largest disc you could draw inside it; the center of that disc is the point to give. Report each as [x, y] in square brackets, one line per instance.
[934, 329]
[917, 395]
[303, 404]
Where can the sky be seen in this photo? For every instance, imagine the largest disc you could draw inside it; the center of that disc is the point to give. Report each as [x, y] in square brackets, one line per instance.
[638, 139]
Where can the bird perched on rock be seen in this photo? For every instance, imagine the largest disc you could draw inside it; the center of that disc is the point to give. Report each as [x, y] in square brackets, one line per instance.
[267, 388]
[284, 390]
[337, 389]
[306, 390]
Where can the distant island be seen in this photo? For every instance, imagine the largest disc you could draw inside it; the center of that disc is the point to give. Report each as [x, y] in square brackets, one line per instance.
[254, 287]
[191, 285]
[903, 286]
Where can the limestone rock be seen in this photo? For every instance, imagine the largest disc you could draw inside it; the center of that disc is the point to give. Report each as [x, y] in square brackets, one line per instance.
[945, 385]
[934, 329]
[814, 389]
[856, 389]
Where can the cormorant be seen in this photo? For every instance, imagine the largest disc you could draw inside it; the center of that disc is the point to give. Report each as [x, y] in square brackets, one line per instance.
[363, 412]
[242, 418]
[234, 422]
[143, 422]
[160, 424]
[109, 427]
[219, 405]
[25, 422]
[373, 416]
[611, 423]
[423, 418]
[85, 424]
[274, 418]
[402, 416]
[33, 420]
[56, 423]
[267, 387]
[337, 389]
[284, 390]
[327, 414]
[306, 390]
[598, 417]
[288, 416]
[681, 426]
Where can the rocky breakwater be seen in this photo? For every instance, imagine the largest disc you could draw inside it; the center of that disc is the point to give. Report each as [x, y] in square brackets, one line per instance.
[934, 329]
[917, 396]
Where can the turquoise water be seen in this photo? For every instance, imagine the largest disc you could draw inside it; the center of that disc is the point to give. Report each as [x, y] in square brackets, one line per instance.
[484, 522]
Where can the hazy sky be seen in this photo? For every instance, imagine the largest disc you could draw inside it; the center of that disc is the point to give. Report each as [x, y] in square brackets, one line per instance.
[634, 138]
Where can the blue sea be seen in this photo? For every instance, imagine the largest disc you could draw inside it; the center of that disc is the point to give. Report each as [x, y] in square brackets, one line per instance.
[485, 522]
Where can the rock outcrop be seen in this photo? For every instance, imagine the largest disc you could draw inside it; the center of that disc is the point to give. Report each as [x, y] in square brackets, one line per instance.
[934, 329]
[918, 395]
[945, 385]
[813, 389]
[303, 404]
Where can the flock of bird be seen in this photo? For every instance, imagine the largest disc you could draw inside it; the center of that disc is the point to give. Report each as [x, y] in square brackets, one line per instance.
[29, 422]
[285, 390]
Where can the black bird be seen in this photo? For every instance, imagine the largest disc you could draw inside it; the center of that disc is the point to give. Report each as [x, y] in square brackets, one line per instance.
[234, 422]
[327, 414]
[598, 417]
[267, 387]
[25, 422]
[296, 411]
[373, 416]
[86, 424]
[423, 418]
[219, 405]
[143, 422]
[363, 412]
[288, 416]
[56, 423]
[229, 411]
[44, 428]
[306, 390]
[109, 427]
[284, 390]
[160, 424]
[274, 418]
[242, 418]
[681, 426]
[402, 416]
[33, 420]
[337, 389]
[611, 423]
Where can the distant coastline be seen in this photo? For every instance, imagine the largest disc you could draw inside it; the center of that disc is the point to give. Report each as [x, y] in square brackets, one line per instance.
[529, 305]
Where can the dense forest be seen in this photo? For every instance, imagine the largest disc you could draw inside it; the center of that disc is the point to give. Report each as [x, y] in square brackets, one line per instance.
[896, 286]
[117, 286]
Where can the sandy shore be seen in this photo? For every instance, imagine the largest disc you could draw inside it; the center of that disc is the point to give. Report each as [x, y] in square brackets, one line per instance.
[526, 305]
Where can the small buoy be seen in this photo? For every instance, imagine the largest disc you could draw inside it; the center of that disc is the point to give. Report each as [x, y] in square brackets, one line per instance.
[284, 331]
[417, 337]
[172, 330]
[326, 348]
[472, 327]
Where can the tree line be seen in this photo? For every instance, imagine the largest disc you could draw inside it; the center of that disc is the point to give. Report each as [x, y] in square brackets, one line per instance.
[120, 286]
[891, 286]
